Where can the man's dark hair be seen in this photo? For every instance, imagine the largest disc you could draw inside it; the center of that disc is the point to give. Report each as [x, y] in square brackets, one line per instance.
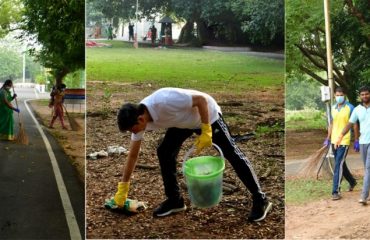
[339, 89]
[128, 114]
[364, 89]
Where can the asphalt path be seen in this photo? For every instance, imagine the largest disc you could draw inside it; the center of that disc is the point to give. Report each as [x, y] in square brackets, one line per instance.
[41, 196]
[292, 167]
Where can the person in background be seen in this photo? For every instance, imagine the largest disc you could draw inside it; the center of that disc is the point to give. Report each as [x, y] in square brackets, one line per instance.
[361, 114]
[340, 114]
[6, 111]
[57, 96]
[110, 32]
[153, 35]
[131, 32]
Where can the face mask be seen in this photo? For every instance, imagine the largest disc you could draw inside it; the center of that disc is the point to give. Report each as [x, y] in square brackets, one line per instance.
[339, 99]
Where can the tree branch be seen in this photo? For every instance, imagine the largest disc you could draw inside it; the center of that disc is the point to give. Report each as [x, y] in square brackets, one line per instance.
[313, 75]
[357, 14]
[307, 54]
[322, 55]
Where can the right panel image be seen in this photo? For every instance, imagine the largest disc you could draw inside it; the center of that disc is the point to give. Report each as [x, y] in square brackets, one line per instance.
[327, 119]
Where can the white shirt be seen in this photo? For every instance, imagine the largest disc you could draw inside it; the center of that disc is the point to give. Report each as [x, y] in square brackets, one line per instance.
[173, 107]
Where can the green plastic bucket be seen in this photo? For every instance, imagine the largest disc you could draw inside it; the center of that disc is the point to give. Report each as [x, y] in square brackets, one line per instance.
[204, 179]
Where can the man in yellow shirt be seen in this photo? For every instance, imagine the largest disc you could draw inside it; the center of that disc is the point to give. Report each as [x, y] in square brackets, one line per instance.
[340, 115]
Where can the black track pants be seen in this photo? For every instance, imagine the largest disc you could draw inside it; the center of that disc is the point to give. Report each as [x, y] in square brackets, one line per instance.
[170, 147]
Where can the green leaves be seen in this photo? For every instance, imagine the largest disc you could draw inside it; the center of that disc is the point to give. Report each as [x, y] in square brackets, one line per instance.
[59, 29]
[262, 20]
[10, 64]
[10, 13]
[305, 41]
[232, 21]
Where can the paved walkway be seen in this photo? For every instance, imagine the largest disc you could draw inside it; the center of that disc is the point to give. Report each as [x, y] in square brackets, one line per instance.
[292, 167]
[244, 50]
[248, 51]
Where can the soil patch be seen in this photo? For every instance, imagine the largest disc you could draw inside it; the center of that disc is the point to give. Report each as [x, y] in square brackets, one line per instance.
[244, 113]
[72, 142]
[327, 219]
[324, 219]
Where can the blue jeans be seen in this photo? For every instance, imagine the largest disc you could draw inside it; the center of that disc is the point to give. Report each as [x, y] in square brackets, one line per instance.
[365, 155]
[341, 169]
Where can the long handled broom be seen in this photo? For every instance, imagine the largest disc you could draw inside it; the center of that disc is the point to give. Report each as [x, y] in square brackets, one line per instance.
[72, 121]
[21, 137]
[312, 163]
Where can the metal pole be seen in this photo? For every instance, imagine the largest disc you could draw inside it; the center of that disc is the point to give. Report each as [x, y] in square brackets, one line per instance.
[136, 44]
[329, 60]
[24, 67]
[328, 49]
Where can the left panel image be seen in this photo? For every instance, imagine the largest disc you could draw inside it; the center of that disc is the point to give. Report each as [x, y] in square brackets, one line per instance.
[42, 119]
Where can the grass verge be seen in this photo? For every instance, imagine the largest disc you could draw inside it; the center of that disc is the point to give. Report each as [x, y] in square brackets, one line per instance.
[189, 68]
[299, 191]
[305, 119]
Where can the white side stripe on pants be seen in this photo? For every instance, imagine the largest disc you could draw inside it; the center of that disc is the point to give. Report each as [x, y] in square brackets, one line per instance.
[239, 153]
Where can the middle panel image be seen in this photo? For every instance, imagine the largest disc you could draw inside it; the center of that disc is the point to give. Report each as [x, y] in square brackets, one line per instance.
[185, 121]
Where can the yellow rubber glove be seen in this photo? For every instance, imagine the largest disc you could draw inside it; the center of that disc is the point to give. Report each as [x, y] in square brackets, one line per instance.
[205, 138]
[122, 193]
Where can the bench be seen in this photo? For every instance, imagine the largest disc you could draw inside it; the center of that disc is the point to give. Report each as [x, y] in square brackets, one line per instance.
[73, 96]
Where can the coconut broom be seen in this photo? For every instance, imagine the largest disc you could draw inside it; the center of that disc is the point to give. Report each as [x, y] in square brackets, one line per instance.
[21, 137]
[312, 162]
[72, 121]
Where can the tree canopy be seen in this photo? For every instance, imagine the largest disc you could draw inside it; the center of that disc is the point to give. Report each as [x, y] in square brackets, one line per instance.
[11, 59]
[57, 30]
[230, 21]
[350, 30]
[10, 13]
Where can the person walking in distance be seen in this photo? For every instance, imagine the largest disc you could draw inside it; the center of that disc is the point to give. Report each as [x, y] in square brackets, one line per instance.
[361, 114]
[57, 96]
[340, 114]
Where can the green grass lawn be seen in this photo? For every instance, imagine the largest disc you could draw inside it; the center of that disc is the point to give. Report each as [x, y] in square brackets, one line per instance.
[305, 119]
[208, 70]
[299, 191]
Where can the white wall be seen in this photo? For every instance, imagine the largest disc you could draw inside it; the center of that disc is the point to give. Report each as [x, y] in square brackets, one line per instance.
[143, 28]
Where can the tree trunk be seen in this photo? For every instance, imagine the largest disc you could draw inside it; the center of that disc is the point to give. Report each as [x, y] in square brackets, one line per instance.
[186, 34]
[203, 33]
[351, 92]
[59, 75]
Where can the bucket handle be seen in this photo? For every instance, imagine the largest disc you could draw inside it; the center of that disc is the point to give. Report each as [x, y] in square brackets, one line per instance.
[191, 150]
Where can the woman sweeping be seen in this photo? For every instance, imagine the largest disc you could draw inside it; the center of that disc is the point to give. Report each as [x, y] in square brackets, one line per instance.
[6, 111]
[57, 98]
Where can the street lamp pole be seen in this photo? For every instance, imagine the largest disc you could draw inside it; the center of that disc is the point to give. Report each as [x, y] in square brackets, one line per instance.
[136, 44]
[24, 66]
[328, 49]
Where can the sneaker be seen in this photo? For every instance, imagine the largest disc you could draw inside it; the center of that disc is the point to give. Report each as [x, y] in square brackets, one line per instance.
[259, 210]
[336, 196]
[362, 201]
[351, 187]
[169, 206]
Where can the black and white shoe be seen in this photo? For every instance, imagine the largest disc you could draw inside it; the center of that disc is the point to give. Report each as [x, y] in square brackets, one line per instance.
[336, 196]
[169, 206]
[363, 201]
[259, 210]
